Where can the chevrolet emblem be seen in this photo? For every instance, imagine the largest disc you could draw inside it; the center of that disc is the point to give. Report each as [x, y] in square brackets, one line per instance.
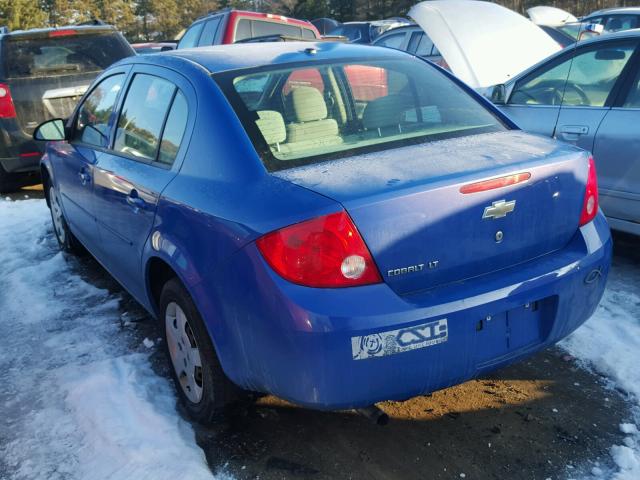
[499, 209]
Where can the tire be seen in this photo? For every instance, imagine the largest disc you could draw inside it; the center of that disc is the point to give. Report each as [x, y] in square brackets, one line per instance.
[66, 240]
[203, 389]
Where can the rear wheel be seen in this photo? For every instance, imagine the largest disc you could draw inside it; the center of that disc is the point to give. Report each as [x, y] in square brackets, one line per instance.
[202, 386]
[67, 240]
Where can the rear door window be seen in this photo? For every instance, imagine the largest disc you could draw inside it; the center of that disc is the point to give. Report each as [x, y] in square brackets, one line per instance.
[392, 41]
[62, 55]
[308, 34]
[143, 115]
[174, 130]
[191, 36]
[633, 97]
[425, 47]
[413, 42]
[209, 32]
[616, 23]
[92, 123]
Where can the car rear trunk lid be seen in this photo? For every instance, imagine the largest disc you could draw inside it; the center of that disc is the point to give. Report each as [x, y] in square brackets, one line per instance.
[423, 232]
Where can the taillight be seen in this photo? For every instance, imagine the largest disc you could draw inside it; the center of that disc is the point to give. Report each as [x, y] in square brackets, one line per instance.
[7, 109]
[590, 204]
[327, 251]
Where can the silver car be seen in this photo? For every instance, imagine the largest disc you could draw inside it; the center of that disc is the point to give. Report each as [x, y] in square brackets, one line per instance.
[589, 95]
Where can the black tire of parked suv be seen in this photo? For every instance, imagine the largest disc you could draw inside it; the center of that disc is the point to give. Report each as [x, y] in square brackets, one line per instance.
[218, 392]
[66, 239]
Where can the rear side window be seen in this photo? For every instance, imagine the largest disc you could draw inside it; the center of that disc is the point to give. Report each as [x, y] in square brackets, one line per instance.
[92, 123]
[633, 97]
[209, 32]
[616, 23]
[413, 42]
[308, 34]
[64, 55]
[143, 114]
[191, 36]
[174, 130]
[425, 47]
[392, 41]
[359, 107]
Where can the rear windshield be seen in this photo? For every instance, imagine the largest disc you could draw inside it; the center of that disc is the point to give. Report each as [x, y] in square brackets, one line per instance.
[317, 112]
[42, 57]
[248, 28]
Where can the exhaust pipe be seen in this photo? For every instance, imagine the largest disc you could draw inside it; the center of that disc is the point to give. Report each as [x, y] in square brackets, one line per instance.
[374, 414]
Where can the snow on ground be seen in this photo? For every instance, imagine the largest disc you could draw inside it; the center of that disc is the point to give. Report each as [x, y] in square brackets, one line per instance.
[609, 344]
[77, 401]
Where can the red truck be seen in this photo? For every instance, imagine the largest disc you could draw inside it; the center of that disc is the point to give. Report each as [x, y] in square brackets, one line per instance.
[230, 26]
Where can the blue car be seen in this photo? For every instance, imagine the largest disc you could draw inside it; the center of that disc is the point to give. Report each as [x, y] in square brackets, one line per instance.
[334, 224]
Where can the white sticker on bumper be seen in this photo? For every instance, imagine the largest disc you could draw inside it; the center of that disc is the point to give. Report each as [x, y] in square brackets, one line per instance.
[398, 341]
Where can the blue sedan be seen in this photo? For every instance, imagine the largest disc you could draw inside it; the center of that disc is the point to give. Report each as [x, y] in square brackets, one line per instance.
[334, 224]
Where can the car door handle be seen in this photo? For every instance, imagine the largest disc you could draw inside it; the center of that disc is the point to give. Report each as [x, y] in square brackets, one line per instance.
[134, 200]
[574, 129]
[85, 178]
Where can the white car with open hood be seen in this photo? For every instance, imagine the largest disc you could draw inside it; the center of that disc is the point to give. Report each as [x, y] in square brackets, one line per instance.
[544, 15]
[483, 43]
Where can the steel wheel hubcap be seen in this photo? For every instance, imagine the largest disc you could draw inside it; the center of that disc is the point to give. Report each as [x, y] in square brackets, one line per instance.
[184, 352]
[56, 214]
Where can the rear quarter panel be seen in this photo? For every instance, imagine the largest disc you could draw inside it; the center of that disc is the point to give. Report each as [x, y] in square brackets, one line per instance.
[221, 200]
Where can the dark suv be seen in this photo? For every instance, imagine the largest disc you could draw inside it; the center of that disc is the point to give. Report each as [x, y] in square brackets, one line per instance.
[43, 73]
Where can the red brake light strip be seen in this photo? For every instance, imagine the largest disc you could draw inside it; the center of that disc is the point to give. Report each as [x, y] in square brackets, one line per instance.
[494, 183]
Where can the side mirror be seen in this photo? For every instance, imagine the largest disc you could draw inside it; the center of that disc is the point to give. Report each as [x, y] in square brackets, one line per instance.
[499, 94]
[166, 48]
[51, 130]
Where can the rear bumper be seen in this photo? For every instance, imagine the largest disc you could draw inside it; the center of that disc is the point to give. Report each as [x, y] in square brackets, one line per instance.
[340, 348]
[19, 153]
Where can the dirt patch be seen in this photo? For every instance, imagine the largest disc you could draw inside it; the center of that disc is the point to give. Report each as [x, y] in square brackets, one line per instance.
[532, 420]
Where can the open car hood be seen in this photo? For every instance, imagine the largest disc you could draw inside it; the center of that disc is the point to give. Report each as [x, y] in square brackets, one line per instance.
[483, 43]
[543, 15]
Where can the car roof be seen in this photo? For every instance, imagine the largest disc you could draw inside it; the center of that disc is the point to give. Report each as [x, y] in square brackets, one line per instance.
[609, 11]
[221, 58]
[38, 32]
